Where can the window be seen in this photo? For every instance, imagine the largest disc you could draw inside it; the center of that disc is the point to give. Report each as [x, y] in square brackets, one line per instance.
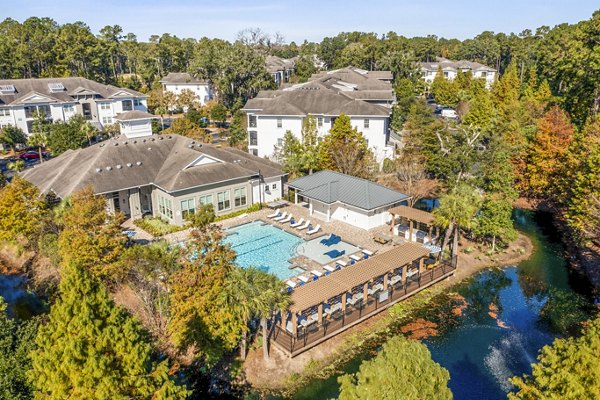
[137, 102]
[69, 108]
[332, 121]
[445, 74]
[223, 202]
[4, 112]
[239, 197]
[253, 138]
[366, 123]
[483, 74]
[280, 142]
[188, 207]
[274, 186]
[279, 123]
[106, 106]
[320, 122]
[254, 152]
[107, 120]
[205, 200]
[31, 110]
[165, 207]
[127, 105]
[252, 121]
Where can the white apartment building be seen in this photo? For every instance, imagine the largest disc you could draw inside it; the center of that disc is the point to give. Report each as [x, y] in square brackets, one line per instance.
[272, 113]
[451, 68]
[176, 82]
[61, 98]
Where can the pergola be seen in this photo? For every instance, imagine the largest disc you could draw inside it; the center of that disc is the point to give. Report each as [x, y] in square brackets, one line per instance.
[413, 215]
[361, 275]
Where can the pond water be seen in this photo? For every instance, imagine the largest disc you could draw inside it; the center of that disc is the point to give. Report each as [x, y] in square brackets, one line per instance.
[20, 302]
[481, 351]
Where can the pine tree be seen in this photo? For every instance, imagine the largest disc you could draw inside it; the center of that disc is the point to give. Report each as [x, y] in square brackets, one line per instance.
[403, 370]
[91, 236]
[91, 348]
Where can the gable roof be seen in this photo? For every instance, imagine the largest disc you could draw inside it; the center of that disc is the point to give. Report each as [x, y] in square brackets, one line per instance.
[329, 187]
[182, 77]
[275, 64]
[123, 163]
[449, 65]
[25, 88]
[134, 115]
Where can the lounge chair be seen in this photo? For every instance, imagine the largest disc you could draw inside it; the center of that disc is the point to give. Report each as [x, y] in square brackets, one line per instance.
[354, 259]
[306, 225]
[281, 216]
[287, 219]
[328, 269]
[342, 263]
[276, 213]
[297, 223]
[367, 253]
[303, 278]
[291, 283]
[316, 273]
[327, 240]
[314, 230]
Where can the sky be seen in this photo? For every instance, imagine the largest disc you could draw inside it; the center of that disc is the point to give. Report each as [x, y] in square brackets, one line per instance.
[307, 19]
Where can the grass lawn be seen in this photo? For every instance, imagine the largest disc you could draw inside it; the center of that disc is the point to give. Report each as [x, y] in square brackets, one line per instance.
[156, 226]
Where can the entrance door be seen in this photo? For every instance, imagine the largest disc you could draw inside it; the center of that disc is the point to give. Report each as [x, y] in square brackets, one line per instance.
[116, 203]
[87, 111]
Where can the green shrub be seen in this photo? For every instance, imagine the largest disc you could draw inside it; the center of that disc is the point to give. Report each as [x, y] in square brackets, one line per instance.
[156, 226]
[252, 208]
[388, 166]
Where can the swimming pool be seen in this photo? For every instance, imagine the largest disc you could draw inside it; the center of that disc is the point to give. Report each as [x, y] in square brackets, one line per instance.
[264, 246]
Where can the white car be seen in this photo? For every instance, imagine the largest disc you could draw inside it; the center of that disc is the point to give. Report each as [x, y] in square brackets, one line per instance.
[448, 113]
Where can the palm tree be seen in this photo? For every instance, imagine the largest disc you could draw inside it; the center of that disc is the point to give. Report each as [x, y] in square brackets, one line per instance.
[89, 131]
[457, 209]
[252, 293]
[39, 137]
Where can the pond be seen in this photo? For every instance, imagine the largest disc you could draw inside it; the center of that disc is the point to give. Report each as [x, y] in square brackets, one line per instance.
[21, 303]
[499, 333]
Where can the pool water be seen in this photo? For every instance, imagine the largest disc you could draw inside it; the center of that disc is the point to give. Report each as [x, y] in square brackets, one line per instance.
[265, 247]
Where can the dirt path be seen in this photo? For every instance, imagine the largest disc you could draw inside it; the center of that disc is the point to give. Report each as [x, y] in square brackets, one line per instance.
[276, 372]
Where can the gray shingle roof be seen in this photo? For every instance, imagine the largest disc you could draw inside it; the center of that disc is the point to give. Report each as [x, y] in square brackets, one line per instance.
[161, 160]
[312, 98]
[72, 85]
[133, 115]
[330, 187]
[455, 65]
[181, 77]
[275, 64]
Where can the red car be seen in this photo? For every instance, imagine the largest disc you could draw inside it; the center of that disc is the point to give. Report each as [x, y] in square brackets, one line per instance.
[31, 155]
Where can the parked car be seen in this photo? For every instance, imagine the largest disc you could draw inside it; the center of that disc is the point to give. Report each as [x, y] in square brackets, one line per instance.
[448, 113]
[32, 155]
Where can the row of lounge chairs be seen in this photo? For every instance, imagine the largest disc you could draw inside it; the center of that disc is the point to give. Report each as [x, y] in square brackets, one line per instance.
[285, 218]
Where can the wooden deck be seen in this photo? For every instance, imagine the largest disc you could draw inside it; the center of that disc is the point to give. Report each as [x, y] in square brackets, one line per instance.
[340, 321]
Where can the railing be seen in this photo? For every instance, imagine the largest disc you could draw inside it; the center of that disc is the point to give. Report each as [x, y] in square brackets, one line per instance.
[314, 334]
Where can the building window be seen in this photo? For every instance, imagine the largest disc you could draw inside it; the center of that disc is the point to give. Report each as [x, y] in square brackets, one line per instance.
[483, 74]
[239, 197]
[320, 122]
[4, 112]
[254, 152]
[165, 207]
[137, 102]
[107, 120]
[445, 74]
[280, 142]
[252, 121]
[205, 200]
[332, 121]
[279, 123]
[127, 105]
[69, 108]
[274, 186]
[366, 123]
[105, 106]
[223, 202]
[253, 138]
[31, 110]
[188, 207]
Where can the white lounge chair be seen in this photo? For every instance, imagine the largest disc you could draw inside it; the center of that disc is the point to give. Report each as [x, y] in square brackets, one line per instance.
[291, 284]
[306, 224]
[316, 273]
[297, 223]
[329, 268]
[282, 216]
[303, 278]
[275, 214]
[313, 230]
[395, 279]
[287, 219]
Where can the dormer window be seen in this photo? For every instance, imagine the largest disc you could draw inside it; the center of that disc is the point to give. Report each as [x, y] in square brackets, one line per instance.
[56, 87]
[7, 89]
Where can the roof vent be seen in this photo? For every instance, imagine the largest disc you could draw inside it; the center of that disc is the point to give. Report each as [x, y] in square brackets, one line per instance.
[125, 142]
[135, 141]
[98, 169]
[108, 168]
[101, 144]
[129, 164]
[149, 148]
[161, 138]
[190, 146]
[169, 137]
[144, 140]
[193, 142]
[115, 143]
[138, 163]
[119, 166]
[153, 139]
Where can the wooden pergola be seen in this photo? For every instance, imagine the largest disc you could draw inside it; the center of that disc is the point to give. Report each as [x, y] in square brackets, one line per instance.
[361, 274]
[413, 215]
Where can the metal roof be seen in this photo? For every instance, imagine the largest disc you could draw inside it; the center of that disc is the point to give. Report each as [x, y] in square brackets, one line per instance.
[413, 213]
[330, 187]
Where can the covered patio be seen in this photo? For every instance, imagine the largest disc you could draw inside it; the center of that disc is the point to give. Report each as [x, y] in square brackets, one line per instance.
[413, 225]
[323, 308]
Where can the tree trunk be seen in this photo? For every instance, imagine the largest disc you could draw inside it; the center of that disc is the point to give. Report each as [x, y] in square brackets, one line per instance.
[447, 236]
[40, 153]
[455, 241]
[243, 346]
[263, 322]
[494, 243]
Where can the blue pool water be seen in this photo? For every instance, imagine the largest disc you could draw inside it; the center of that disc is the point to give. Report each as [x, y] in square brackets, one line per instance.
[265, 247]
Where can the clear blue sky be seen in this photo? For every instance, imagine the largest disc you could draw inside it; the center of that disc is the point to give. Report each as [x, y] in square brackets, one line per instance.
[307, 19]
